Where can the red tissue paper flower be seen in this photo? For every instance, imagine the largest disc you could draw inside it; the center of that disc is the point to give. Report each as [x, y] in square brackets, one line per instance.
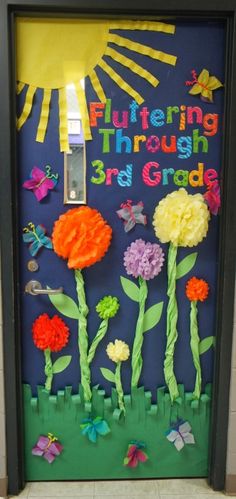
[197, 289]
[82, 236]
[50, 333]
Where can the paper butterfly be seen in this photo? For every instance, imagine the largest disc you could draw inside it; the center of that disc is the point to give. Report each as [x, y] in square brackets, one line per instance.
[203, 85]
[212, 197]
[47, 447]
[94, 427]
[36, 237]
[131, 215]
[40, 182]
[180, 435]
[135, 454]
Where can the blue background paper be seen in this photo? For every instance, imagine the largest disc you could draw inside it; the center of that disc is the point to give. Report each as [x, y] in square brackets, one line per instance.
[197, 46]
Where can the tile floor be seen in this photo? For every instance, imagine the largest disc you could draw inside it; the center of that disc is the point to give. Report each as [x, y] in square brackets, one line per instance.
[135, 489]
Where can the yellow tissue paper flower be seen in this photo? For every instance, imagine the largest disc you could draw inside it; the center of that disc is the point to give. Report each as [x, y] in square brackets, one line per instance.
[181, 218]
[118, 351]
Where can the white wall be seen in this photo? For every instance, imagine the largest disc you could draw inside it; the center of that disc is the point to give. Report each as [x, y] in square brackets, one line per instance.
[231, 457]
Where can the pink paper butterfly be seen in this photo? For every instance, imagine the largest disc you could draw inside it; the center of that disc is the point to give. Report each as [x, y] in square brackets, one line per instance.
[47, 447]
[40, 182]
[212, 197]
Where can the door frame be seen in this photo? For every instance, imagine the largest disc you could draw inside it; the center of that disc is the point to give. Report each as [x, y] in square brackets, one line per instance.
[184, 10]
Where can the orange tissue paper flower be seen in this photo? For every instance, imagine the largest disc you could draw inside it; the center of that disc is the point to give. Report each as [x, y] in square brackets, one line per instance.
[82, 236]
[197, 289]
[50, 333]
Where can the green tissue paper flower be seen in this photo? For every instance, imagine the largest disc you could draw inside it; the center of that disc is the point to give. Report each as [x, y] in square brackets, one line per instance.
[107, 307]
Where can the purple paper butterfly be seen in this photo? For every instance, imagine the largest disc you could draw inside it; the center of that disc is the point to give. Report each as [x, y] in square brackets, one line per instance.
[131, 215]
[47, 447]
[40, 182]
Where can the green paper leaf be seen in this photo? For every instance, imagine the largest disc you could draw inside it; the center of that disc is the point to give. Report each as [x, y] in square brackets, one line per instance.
[61, 364]
[130, 288]
[108, 374]
[206, 344]
[152, 316]
[65, 305]
[186, 265]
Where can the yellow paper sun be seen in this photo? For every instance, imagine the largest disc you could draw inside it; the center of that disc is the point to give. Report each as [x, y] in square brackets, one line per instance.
[52, 53]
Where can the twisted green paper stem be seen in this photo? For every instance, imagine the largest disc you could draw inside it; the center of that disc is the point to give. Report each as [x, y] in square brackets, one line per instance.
[119, 388]
[194, 343]
[171, 325]
[48, 369]
[137, 361]
[83, 336]
[99, 336]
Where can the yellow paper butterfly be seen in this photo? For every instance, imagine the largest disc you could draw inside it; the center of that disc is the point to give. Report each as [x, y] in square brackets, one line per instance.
[204, 84]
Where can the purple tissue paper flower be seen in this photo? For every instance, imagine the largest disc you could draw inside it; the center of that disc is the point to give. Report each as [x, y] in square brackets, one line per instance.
[143, 259]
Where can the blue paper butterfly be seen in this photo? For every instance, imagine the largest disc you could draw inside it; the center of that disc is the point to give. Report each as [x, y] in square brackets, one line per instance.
[36, 237]
[94, 427]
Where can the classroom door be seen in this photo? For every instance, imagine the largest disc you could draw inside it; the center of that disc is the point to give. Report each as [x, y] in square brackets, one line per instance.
[118, 246]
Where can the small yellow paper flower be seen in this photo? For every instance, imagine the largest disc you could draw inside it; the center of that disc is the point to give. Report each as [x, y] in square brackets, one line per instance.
[118, 351]
[181, 218]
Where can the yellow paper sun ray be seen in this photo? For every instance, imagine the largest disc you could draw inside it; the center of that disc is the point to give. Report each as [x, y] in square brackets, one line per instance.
[97, 86]
[63, 124]
[120, 82]
[133, 66]
[142, 49]
[84, 111]
[43, 123]
[143, 26]
[19, 87]
[49, 65]
[27, 107]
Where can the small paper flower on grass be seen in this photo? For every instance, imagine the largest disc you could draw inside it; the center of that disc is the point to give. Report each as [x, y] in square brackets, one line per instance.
[135, 454]
[196, 290]
[142, 260]
[51, 335]
[204, 84]
[47, 447]
[118, 352]
[180, 219]
[94, 427]
[106, 308]
[180, 435]
[82, 236]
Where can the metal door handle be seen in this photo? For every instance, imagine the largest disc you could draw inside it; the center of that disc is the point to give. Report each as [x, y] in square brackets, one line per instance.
[35, 288]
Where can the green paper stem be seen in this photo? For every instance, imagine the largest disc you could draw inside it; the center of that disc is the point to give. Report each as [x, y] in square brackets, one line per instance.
[171, 325]
[83, 336]
[194, 343]
[119, 388]
[48, 369]
[99, 336]
[137, 361]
